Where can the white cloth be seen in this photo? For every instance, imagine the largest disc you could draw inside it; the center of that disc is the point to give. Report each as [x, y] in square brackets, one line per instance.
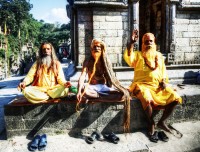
[100, 88]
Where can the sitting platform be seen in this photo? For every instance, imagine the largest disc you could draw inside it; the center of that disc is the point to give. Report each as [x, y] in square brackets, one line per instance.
[105, 114]
[60, 115]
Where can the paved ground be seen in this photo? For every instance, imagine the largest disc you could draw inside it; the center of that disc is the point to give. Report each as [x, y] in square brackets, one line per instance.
[190, 141]
[133, 142]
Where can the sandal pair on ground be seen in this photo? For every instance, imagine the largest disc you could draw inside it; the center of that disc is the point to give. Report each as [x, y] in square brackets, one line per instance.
[158, 135]
[97, 136]
[38, 142]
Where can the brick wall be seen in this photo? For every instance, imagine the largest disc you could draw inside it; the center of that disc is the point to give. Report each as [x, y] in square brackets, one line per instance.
[187, 36]
[110, 25]
[185, 30]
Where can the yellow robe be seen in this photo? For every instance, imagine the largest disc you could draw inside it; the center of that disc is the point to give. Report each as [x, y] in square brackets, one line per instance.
[145, 85]
[48, 85]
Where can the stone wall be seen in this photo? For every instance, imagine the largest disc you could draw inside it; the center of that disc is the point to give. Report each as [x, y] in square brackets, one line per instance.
[175, 24]
[185, 32]
[110, 25]
[63, 118]
[187, 36]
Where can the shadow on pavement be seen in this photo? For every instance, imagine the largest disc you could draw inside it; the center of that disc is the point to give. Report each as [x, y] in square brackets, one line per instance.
[3, 135]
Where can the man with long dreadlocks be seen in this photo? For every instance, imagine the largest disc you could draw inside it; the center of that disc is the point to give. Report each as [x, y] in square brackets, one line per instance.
[45, 78]
[150, 82]
[100, 79]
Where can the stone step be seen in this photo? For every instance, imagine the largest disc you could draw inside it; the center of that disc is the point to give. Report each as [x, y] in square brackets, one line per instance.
[180, 76]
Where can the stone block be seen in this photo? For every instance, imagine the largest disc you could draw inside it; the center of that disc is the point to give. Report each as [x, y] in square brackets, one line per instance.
[182, 41]
[114, 50]
[99, 18]
[179, 34]
[192, 34]
[195, 41]
[110, 25]
[182, 21]
[114, 18]
[113, 58]
[196, 48]
[194, 27]
[181, 27]
[113, 41]
[105, 33]
[195, 21]
[96, 26]
[183, 49]
[189, 56]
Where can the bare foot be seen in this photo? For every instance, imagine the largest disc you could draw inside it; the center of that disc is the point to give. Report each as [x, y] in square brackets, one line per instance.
[163, 126]
[151, 129]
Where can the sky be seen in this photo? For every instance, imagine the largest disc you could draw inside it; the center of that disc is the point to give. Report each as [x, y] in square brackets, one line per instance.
[51, 11]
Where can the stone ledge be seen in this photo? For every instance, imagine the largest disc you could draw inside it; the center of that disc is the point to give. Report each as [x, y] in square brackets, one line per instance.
[62, 117]
[28, 119]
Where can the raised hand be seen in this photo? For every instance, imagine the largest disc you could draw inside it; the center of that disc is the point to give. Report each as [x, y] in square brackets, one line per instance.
[134, 38]
[134, 35]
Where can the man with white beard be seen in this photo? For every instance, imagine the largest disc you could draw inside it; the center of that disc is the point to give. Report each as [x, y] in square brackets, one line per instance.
[45, 79]
[150, 82]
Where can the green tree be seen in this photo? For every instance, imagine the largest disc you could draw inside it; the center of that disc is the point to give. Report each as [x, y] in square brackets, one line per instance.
[55, 35]
[19, 28]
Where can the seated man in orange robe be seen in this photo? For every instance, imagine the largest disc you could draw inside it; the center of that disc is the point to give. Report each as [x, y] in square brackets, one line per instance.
[150, 81]
[97, 68]
[46, 77]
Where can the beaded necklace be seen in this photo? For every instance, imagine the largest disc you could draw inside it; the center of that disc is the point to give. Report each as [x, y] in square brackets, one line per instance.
[156, 63]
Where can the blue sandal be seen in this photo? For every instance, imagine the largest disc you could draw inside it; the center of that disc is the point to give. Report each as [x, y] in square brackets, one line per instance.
[34, 143]
[42, 143]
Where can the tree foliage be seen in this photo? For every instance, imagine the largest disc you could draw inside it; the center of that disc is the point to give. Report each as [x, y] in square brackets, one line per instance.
[19, 28]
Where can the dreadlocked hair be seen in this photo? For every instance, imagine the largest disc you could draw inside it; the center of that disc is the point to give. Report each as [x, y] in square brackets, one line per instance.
[93, 69]
[126, 95]
[112, 80]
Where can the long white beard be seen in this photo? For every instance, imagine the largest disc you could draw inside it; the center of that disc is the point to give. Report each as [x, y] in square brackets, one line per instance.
[47, 61]
[149, 53]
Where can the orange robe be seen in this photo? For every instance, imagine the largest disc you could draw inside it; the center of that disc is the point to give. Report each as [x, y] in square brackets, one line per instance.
[48, 85]
[145, 85]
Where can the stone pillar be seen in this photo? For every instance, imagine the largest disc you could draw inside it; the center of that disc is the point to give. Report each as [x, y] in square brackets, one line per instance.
[172, 25]
[166, 25]
[172, 30]
[135, 14]
[135, 20]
